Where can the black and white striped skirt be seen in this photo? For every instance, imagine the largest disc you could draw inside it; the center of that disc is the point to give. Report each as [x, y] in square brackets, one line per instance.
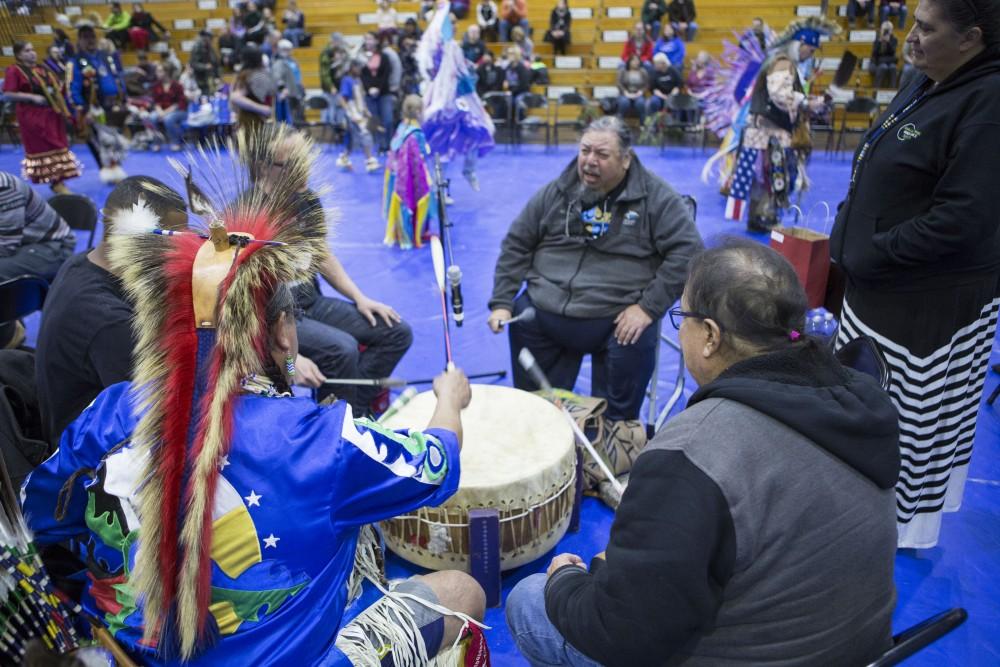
[938, 345]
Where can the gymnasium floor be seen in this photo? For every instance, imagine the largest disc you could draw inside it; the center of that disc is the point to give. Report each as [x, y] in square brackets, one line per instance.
[961, 571]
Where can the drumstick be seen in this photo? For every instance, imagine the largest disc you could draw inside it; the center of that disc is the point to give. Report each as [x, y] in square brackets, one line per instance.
[528, 363]
[437, 256]
[369, 382]
[527, 315]
[398, 404]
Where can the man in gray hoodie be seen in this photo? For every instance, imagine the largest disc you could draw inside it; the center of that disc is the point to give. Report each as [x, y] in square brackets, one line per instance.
[603, 250]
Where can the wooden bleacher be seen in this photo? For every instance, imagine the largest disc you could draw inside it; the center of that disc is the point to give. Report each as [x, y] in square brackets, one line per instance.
[599, 28]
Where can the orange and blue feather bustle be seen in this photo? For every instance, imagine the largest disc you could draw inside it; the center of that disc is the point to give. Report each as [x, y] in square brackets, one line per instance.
[409, 200]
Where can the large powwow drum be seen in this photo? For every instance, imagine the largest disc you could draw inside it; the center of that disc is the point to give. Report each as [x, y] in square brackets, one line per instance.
[517, 458]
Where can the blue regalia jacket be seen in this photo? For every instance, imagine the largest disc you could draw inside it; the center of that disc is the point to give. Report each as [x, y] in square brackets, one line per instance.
[296, 486]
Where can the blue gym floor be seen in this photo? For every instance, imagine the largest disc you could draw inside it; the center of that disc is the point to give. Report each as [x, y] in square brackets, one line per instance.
[961, 571]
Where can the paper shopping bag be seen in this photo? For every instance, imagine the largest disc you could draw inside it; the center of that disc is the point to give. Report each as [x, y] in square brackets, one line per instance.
[809, 254]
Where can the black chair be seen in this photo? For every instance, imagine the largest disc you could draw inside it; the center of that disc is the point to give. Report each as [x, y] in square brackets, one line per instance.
[921, 635]
[79, 212]
[863, 355]
[684, 114]
[500, 107]
[537, 103]
[8, 123]
[567, 100]
[21, 296]
[865, 107]
[319, 103]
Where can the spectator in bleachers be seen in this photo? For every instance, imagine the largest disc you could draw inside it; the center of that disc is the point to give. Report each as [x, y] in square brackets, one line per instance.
[664, 81]
[488, 19]
[490, 76]
[517, 78]
[702, 75]
[895, 8]
[410, 30]
[270, 44]
[671, 46]
[857, 8]
[205, 63]
[513, 13]
[56, 62]
[294, 22]
[652, 16]
[63, 41]
[230, 46]
[192, 93]
[473, 46]
[169, 107]
[883, 60]
[410, 85]
[560, 23]
[116, 25]
[352, 100]
[758, 31]
[389, 52]
[143, 28]
[638, 44]
[334, 61]
[633, 81]
[146, 68]
[909, 73]
[254, 91]
[173, 63]
[682, 15]
[287, 76]
[237, 26]
[375, 81]
[254, 25]
[386, 19]
[519, 38]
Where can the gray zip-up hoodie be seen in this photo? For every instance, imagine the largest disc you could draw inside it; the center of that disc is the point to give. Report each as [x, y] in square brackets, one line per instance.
[641, 259]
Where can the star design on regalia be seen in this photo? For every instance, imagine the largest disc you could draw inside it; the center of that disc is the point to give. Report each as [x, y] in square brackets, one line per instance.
[223, 462]
[271, 542]
[253, 500]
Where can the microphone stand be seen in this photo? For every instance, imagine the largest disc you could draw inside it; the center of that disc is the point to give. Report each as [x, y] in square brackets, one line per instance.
[454, 273]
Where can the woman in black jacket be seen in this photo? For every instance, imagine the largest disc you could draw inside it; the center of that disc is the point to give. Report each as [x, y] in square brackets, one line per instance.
[558, 33]
[917, 237]
[883, 60]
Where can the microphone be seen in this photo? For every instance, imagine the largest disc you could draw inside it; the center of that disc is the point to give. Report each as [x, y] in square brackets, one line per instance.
[527, 315]
[457, 306]
[398, 404]
[528, 363]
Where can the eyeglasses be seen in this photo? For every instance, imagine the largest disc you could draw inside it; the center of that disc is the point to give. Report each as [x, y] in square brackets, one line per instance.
[677, 316]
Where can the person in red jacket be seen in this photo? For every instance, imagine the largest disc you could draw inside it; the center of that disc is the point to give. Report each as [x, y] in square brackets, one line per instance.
[512, 13]
[638, 44]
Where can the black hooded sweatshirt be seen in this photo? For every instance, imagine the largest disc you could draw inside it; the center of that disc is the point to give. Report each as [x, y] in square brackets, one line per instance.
[922, 211]
[673, 544]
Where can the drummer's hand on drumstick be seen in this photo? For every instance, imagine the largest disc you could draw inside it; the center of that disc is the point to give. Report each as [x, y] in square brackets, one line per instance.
[562, 560]
[496, 317]
[307, 373]
[453, 395]
[630, 324]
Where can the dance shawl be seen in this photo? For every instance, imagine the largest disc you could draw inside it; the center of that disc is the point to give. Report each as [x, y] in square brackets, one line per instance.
[409, 198]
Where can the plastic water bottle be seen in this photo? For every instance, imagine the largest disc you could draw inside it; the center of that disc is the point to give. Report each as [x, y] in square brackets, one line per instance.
[814, 327]
[830, 327]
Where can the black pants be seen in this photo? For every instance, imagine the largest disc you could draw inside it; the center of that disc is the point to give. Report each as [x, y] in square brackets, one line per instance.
[559, 343]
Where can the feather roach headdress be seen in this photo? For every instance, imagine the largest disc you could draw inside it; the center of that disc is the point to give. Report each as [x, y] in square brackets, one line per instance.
[200, 296]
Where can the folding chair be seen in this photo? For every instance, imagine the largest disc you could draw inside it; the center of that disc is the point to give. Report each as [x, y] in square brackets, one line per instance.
[78, 211]
[500, 107]
[859, 106]
[21, 296]
[684, 114]
[533, 102]
[565, 100]
[920, 636]
[319, 103]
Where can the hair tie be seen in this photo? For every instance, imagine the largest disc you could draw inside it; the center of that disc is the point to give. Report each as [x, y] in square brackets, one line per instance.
[794, 335]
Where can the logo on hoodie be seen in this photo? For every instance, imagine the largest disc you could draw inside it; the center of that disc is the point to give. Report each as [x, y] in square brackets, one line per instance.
[907, 132]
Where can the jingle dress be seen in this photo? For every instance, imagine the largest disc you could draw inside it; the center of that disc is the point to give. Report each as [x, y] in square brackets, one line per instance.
[917, 237]
[47, 158]
[293, 493]
[409, 201]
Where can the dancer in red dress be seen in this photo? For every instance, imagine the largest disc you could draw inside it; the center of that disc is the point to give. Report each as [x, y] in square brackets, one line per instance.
[41, 115]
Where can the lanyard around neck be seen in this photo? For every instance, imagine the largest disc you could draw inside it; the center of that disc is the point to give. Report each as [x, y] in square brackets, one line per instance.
[876, 133]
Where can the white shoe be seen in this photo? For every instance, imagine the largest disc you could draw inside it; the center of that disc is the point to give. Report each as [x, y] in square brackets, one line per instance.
[107, 175]
[119, 174]
[344, 162]
[448, 200]
[371, 165]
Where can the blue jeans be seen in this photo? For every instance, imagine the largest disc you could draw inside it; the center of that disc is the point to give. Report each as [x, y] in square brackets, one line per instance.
[900, 15]
[330, 332]
[636, 104]
[383, 107]
[620, 373]
[653, 105]
[505, 27]
[688, 36]
[536, 638]
[854, 9]
[173, 125]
